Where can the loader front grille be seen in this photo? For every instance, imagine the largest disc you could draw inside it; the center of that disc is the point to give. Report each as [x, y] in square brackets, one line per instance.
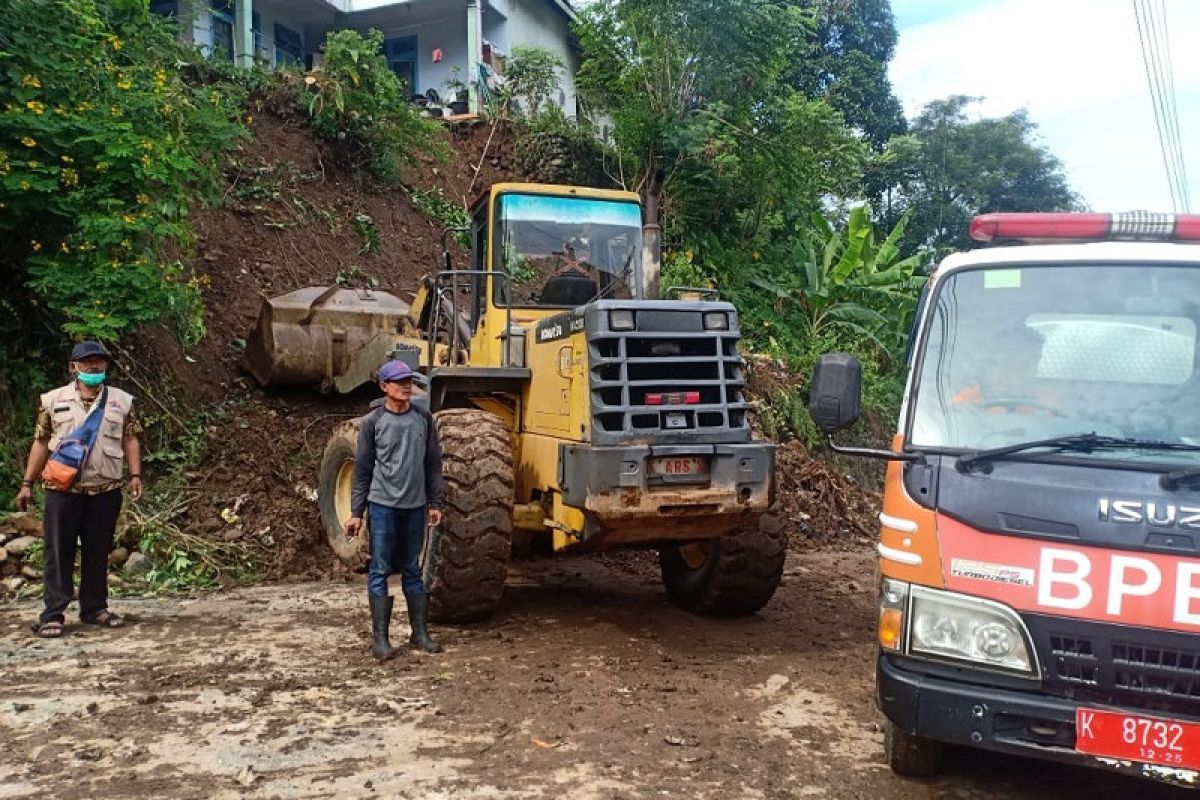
[669, 381]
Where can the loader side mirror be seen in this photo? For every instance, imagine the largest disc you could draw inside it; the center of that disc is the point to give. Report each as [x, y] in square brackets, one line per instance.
[835, 392]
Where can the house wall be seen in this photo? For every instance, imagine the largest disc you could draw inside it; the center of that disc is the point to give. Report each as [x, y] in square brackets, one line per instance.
[537, 22]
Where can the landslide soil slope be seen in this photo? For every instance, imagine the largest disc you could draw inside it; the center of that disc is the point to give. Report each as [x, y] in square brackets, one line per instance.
[287, 221]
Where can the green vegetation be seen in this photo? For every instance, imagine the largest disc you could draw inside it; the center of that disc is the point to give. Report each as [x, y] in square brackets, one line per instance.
[360, 106]
[778, 135]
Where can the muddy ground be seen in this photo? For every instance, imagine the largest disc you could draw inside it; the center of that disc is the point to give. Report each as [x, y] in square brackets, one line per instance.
[587, 684]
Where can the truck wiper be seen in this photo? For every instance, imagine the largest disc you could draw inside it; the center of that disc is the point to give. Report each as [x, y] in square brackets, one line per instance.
[1077, 442]
[1173, 480]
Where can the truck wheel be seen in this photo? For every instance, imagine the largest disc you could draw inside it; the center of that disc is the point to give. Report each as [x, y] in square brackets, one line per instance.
[335, 480]
[909, 755]
[466, 558]
[734, 575]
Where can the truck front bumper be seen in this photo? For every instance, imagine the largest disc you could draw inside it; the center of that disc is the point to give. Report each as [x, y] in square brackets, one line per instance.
[625, 504]
[1015, 721]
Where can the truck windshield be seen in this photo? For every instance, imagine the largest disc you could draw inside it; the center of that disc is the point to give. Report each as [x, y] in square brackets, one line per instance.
[563, 252]
[1014, 355]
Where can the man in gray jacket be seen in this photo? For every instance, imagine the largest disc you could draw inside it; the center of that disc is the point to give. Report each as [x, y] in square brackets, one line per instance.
[398, 482]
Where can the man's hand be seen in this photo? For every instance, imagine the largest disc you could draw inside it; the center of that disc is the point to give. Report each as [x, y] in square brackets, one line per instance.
[24, 495]
[353, 526]
[135, 488]
[435, 517]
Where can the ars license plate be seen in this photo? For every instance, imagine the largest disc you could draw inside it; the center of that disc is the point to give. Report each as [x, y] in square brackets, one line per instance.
[679, 465]
[1131, 737]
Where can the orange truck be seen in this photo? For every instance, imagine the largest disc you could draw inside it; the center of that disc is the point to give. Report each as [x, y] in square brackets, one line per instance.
[1039, 552]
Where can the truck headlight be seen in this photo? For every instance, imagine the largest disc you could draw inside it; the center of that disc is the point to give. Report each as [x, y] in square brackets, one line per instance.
[716, 321]
[621, 319]
[946, 625]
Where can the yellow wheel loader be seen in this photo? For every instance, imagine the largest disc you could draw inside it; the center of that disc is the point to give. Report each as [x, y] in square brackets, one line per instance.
[578, 411]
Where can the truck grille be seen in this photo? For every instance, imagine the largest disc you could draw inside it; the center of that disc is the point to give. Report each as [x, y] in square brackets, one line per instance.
[1118, 664]
[694, 375]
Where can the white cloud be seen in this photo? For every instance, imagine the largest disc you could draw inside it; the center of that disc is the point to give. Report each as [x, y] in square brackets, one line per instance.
[1076, 66]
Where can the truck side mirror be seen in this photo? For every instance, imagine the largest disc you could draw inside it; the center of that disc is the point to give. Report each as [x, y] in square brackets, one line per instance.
[835, 392]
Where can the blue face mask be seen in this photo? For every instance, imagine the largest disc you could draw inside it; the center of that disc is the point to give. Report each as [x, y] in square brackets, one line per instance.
[91, 378]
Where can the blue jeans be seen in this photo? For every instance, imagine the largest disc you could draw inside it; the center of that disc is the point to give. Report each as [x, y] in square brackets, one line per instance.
[397, 536]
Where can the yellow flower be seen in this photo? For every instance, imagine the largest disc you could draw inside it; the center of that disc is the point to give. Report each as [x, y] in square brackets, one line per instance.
[70, 177]
[115, 42]
[143, 198]
[64, 248]
[128, 219]
[249, 119]
[147, 144]
[102, 166]
[35, 107]
[36, 245]
[31, 82]
[82, 107]
[125, 84]
[68, 160]
[25, 186]
[145, 161]
[34, 164]
[29, 141]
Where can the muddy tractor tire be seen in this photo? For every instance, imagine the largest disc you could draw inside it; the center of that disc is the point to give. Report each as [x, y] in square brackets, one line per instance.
[732, 576]
[466, 557]
[336, 478]
[909, 755]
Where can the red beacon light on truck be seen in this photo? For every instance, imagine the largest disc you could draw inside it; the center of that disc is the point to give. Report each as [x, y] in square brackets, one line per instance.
[1133, 226]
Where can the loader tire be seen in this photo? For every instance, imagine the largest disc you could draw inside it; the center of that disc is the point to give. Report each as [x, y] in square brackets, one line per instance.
[466, 557]
[336, 478]
[732, 576]
[909, 755]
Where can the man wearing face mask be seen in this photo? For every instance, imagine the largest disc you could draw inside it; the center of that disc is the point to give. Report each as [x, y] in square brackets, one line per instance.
[86, 512]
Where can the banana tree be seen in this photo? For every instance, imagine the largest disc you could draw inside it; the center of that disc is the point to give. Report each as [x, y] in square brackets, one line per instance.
[844, 282]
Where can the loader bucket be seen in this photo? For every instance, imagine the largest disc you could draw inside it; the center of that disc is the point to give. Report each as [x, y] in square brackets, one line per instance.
[323, 336]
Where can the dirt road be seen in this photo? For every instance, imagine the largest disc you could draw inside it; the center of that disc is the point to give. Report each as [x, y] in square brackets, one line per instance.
[587, 684]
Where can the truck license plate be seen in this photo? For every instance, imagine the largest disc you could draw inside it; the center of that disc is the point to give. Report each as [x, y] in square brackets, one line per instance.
[1132, 737]
[679, 465]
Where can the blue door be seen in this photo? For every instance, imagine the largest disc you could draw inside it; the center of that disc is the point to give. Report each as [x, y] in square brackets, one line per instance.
[401, 52]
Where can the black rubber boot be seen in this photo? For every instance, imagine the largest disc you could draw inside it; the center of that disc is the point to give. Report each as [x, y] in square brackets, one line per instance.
[418, 617]
[381, 621]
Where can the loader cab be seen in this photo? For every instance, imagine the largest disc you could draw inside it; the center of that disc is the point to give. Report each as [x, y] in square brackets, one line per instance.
[539, 250]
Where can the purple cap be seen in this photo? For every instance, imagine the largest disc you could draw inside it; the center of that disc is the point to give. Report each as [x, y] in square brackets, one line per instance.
[395, 371]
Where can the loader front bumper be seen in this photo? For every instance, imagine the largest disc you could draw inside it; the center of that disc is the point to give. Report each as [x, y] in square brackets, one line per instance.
[629, 494]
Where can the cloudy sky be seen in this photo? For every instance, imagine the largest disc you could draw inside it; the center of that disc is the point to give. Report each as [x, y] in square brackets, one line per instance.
[1076, 66]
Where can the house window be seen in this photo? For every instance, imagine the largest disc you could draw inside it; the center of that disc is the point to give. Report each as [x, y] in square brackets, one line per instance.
[289, 47]
[223, 20]
[167, 8]
[221, 28]
[402, 58]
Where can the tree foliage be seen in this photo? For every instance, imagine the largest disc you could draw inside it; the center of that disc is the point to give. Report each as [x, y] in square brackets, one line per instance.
[698, 91]
[950, 168]
[844, 60]
[530, 75]
[103, 148]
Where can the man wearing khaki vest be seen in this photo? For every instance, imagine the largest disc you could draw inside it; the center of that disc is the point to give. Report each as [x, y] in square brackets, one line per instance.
[86, 512]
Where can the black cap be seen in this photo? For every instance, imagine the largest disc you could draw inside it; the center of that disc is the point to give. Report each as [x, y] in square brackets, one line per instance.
[88, 350]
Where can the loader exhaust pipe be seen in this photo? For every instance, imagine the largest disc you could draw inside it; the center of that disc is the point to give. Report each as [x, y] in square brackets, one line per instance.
[652, 241]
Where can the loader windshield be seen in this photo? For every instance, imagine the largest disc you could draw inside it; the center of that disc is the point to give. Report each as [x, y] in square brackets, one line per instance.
[563, 252]
[1013, 355]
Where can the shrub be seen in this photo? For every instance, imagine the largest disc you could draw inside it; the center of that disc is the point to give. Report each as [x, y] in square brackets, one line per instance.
[103, 147]
[358, 104]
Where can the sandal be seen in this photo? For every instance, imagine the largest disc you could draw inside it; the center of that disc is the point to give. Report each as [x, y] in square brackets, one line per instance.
[52, 629]
[105, 619]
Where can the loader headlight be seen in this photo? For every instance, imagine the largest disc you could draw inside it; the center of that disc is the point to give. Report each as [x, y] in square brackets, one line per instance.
[956, 627]
[716, 321]
[621, 319]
